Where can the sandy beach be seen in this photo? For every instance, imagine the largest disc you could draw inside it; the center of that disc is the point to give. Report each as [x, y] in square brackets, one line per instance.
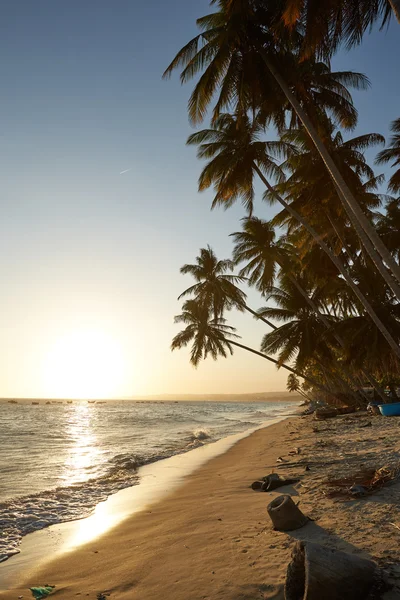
[212, 538]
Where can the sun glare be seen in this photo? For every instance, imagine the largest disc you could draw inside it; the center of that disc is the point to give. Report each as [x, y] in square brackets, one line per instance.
[84, 364]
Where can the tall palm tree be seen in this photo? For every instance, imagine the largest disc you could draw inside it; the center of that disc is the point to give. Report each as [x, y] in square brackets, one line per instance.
[302, 336]
[256, 246]
[209, 336]
[214, 287]
[314, 194]
[328, 24]
[231, 50]
[212, 336]
[233, 141]
[293, 385]
[392, 154]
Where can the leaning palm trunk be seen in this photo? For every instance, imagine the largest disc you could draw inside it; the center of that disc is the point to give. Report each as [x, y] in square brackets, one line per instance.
[366, 242]
[257, 316]
[347, 197]
[336, 262]
[306, 377]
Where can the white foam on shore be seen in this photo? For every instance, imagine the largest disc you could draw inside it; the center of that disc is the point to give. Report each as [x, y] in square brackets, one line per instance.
[156, 481]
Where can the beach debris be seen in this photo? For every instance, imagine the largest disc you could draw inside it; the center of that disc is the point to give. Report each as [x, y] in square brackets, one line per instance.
[317, 572]
[257, 485]
[367, 424]
[358, 490]
[271, 482]
[395, 525]
[274, 481]
[285, 514]
[362, 483]
[280, 459]
[294, 452]
[42, 592]
[103, 595]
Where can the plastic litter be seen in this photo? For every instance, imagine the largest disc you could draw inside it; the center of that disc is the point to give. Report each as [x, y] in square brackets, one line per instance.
[42, 592]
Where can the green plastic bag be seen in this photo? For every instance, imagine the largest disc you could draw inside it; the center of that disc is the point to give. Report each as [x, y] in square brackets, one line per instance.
[42, 592]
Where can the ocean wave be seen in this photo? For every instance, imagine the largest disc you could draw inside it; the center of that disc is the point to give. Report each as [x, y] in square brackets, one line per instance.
[21, 516]
[27, 514]
[201, 434]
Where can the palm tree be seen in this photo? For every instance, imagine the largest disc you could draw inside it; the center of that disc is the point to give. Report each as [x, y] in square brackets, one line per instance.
[302, 336]
[234, 45]
[255, 245]
[214, 287]
[293, 385]
[388, 225]
[314, 194]
[328, 24]
[212, 336]
[392, 154]
[209, 336]
[229, 142]
[234, 146]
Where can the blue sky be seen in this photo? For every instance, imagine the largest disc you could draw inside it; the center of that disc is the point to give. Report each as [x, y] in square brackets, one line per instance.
[86, 249]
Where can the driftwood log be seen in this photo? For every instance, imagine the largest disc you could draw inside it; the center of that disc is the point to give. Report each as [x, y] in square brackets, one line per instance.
[319, 573]
[325, 413]
[285, 515]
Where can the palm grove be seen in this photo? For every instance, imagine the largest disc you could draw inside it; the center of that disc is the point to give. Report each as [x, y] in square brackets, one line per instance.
[327, 265]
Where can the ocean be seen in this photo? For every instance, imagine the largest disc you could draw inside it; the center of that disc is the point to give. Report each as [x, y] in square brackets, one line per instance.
[58, 460]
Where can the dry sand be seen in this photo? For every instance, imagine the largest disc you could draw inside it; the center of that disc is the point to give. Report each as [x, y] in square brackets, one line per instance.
[212, 539]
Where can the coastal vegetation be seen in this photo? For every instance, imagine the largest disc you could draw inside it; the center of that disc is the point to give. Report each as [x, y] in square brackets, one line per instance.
[326, 265]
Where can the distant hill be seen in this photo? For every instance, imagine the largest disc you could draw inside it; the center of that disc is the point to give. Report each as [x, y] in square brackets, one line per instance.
[255, 397]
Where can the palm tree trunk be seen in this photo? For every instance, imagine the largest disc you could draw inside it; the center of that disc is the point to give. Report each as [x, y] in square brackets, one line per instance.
[395, 4]
[336, 262]
[345, 247]
[376, 259]
[393, 391]
[347, 197]
[314, 383]
[255, 314]
[375, 385]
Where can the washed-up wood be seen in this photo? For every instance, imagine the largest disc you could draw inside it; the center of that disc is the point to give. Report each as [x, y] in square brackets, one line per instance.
[325, 413]
[319, 573]
[285, 515]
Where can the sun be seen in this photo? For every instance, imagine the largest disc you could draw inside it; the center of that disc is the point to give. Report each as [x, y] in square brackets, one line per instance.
[84, 364]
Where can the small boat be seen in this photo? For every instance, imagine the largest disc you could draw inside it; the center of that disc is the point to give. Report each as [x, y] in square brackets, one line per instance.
[390, 410]
[36, 403]
[69, 401]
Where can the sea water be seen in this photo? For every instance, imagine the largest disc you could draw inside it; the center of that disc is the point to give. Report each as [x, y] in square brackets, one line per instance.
[58, 460]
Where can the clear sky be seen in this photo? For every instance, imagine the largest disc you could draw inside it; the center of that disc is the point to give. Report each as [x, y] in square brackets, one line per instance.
[90, 257]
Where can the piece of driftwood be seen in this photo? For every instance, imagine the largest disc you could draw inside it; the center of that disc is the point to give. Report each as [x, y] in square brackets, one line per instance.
[275, 481]
[285, 515]
[325, 413]
[320, 573]
[272, 482]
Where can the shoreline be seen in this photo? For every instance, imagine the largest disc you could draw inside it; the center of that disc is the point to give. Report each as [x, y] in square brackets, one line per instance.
[211, 538]
[65, 537]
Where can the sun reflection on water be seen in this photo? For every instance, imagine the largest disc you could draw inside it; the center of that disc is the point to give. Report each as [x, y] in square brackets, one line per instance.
[83, 451]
